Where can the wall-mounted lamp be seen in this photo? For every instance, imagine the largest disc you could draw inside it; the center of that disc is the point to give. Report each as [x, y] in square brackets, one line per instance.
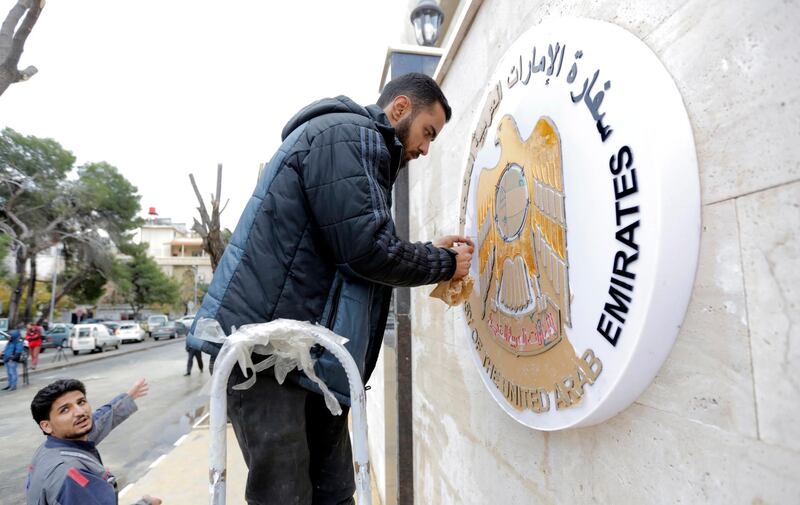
[427, 18]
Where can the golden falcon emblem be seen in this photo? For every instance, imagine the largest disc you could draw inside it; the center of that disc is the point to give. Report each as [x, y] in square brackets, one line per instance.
[522, 240]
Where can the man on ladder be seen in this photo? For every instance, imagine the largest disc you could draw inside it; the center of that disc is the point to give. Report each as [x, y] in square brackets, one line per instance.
[317, 243]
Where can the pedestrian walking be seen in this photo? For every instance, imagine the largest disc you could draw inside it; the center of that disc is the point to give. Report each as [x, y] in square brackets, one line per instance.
[317, 242]
[194, 354]
[67, 468]
[13, 354]
[34, 338]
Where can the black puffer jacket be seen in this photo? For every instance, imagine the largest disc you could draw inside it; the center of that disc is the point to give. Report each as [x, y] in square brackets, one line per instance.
[316, 241]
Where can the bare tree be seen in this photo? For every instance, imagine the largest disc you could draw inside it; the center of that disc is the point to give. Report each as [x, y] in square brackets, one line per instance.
[209, 228]
[13, 34]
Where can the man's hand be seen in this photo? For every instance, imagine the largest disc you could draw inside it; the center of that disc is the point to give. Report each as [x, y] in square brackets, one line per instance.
[463, 259]
[448, 241]
[463, 247]
[149, 500]
[139, 389]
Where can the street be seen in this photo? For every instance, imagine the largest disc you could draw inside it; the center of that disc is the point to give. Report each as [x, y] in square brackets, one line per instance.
[164, 415]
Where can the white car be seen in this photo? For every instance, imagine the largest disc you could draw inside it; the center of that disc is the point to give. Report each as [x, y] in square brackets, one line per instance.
[92, 337]
[4, 339]
[187, 321]
[129, 331]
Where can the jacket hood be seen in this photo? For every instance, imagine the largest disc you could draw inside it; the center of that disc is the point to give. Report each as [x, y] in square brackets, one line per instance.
[320, 108]
[13, 335]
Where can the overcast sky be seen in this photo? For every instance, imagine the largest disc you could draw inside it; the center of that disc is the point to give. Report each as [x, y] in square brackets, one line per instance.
[161, 89]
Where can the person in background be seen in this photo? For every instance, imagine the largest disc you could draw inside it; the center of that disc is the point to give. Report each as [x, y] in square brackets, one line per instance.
[11, 356]
[193, 354]
[67, 469]
[34, 338]
[44, 323]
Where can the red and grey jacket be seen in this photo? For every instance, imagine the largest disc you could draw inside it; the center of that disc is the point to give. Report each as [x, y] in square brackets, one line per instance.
[71, 472]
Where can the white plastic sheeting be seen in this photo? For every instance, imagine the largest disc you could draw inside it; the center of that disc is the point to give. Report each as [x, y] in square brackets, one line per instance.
[286, 343]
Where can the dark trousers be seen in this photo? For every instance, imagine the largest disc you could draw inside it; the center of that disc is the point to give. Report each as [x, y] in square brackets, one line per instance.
[197, 355]
[296, 451]
[11, 371]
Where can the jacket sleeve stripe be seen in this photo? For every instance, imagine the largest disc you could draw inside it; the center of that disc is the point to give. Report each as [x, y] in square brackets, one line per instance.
[366, 161]
[376, 153]
[84, 488]
[369, 149]
[75, 475]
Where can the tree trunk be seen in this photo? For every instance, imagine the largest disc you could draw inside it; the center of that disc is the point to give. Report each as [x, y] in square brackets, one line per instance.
[68, 286]
[16, 295]
[31, 292]
[7, 78]
[215, 247]
[14, 32]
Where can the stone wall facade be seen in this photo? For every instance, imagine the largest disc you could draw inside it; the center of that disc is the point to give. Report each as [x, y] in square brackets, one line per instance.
[719, 423]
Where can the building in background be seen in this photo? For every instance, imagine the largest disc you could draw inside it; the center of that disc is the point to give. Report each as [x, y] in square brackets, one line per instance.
[177, 250]
[718, 423]
[46, 261]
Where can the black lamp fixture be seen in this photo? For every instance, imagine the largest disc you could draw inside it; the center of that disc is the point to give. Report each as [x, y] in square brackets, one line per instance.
[427, 18]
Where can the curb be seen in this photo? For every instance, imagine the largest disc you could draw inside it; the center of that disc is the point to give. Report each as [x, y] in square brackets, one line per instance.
[96, 357]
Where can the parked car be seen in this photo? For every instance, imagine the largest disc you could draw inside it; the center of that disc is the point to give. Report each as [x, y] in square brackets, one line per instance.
[92, 337]
[57, 336]
[3, 324]
[169, 330]
[187, 320]
[94, 320]
[154, 322]
[112, 326]
[183, 328]
[4, 338]
[130, 331]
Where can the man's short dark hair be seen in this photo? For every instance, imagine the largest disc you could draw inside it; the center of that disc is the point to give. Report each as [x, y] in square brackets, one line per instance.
[421, 89]
[44, 399]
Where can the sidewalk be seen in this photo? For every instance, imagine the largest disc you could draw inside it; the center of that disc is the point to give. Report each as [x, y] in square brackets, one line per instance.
[181, 476]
